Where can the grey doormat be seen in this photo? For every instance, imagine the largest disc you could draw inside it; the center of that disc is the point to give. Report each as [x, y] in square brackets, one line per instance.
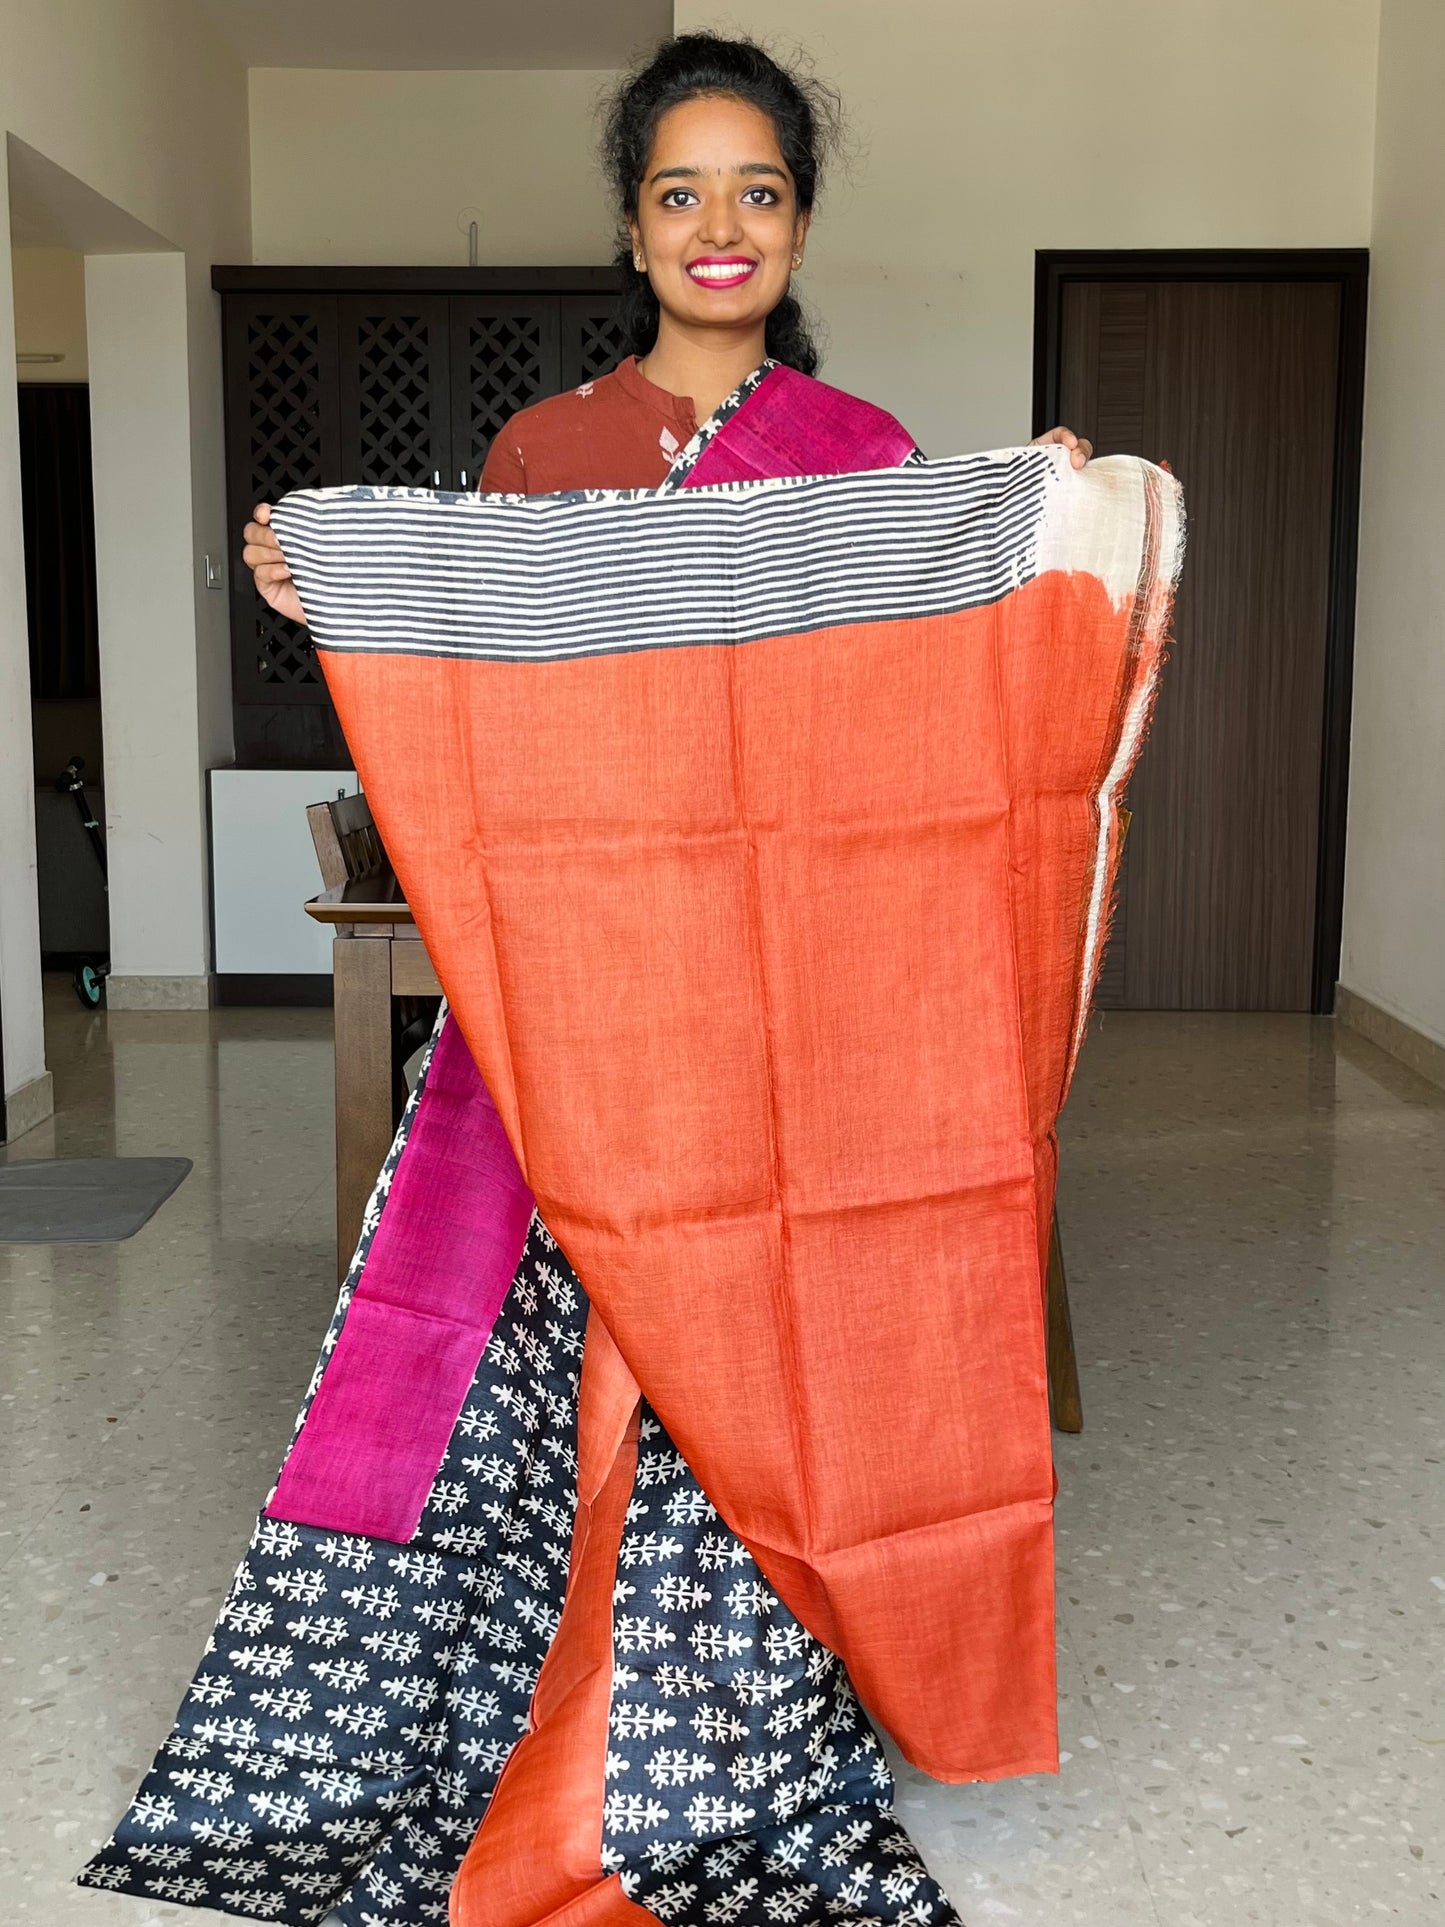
[83, 1201]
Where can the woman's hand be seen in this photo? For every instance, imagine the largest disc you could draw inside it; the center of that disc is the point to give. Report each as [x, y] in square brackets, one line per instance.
[262, 556]
[1079, 449]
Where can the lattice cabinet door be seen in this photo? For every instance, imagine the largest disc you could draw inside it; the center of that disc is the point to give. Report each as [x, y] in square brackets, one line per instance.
[395, 379]
[591, 338]
[505, 356]
[283, 432]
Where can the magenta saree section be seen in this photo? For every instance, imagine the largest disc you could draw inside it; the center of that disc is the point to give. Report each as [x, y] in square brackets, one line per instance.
[791, 425]
[442, 1258]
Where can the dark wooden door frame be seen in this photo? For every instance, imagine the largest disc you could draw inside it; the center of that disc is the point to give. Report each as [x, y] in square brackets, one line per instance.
[1054, 268]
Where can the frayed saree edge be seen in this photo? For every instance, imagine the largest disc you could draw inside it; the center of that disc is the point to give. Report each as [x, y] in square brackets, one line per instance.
[1151, 622]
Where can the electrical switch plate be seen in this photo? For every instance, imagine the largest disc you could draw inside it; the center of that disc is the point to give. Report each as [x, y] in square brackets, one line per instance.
[215, 572]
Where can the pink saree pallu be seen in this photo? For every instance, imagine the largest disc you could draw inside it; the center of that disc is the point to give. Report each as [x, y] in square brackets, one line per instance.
[779, 980]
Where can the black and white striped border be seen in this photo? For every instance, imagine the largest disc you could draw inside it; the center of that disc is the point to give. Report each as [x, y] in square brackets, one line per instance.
[548, 578]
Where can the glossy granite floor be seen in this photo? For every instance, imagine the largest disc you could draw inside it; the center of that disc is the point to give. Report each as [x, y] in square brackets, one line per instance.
[1251, 1566]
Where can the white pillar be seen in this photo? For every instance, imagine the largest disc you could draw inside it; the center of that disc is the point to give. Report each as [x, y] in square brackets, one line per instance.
[136, 326]
[27, 1082]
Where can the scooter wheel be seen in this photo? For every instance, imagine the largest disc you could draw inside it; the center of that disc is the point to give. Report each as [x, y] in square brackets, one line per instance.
[89, 984]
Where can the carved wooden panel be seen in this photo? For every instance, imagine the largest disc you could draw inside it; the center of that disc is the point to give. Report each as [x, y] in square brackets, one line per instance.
[397, 387]
[395, 378]
[505, 356]
[282, 433]
[591, 339]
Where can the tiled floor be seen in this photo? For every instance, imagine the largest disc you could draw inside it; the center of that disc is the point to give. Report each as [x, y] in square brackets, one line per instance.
[1251, 1550]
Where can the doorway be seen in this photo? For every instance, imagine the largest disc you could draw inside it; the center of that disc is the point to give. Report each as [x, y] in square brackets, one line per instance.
[60, 603]
[1245, 373]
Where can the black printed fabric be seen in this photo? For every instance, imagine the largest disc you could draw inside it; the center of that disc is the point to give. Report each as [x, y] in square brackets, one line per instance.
[358, 1699]
[744, 1782]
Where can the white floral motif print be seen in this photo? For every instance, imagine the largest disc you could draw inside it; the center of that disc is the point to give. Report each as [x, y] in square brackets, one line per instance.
[339, 1746]
[361, 1698]
[714, 1814]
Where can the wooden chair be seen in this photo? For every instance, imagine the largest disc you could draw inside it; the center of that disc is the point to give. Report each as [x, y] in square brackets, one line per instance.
[349, 849]
[348, 844]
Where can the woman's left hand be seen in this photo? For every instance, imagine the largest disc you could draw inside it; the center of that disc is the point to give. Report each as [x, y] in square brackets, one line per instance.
[1079, 449]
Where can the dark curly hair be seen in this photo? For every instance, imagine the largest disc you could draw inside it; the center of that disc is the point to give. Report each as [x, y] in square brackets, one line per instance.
[805, 116]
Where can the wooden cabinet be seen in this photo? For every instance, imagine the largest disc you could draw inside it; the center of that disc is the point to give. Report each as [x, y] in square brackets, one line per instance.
[396, 377]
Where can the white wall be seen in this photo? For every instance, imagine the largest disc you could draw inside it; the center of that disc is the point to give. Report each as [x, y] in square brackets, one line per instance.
[985, 129]
[50, 312]
[389, 167]
[140, 424]
[145, 111]
[1394, 937]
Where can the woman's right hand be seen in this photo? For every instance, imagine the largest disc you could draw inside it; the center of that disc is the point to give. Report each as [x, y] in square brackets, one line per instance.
[262, 556]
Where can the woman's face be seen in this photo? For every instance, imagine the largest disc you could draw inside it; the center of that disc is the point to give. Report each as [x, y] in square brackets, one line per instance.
[717, 220]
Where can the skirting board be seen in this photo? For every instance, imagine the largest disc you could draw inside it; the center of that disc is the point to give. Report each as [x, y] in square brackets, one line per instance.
[29, 1106]
[1410, 1046]
[158, 993]
[293, 989]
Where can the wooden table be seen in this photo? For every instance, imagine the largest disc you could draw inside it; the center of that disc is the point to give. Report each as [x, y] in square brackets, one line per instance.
[378, 954]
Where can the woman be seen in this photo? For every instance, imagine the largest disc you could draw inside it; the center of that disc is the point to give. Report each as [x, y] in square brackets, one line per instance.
[715, 156]
[342, 1741]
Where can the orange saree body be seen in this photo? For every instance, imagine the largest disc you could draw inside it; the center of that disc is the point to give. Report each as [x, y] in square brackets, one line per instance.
[777, 978]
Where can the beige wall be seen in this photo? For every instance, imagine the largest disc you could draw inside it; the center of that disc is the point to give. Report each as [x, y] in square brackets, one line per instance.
[145, 112]
[50, 312]
[1394, 940]
[24, 1041]
[985, 129]
[390, 167]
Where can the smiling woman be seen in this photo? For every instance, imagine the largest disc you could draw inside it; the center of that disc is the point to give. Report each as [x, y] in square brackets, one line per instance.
[716, 156]
[483, 1529]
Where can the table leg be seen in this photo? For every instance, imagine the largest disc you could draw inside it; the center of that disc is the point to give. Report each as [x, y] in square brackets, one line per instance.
[364, 1129]
[1059, 1331]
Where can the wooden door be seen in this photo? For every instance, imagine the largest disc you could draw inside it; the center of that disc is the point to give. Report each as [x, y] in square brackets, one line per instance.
[1236, 384]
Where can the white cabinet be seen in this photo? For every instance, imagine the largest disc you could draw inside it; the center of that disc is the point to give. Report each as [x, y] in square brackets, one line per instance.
[263, 868]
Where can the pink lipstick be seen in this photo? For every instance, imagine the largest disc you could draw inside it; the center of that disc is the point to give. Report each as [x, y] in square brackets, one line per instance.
[721, 270]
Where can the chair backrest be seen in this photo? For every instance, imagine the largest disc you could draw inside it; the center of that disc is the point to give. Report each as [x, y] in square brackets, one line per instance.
[348, 846]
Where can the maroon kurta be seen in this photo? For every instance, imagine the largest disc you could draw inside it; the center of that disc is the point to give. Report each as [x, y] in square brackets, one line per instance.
[617, 431]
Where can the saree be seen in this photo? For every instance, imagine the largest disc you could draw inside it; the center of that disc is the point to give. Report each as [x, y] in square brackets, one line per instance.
[380, 1647]
[770, 1007]
[844, 873]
